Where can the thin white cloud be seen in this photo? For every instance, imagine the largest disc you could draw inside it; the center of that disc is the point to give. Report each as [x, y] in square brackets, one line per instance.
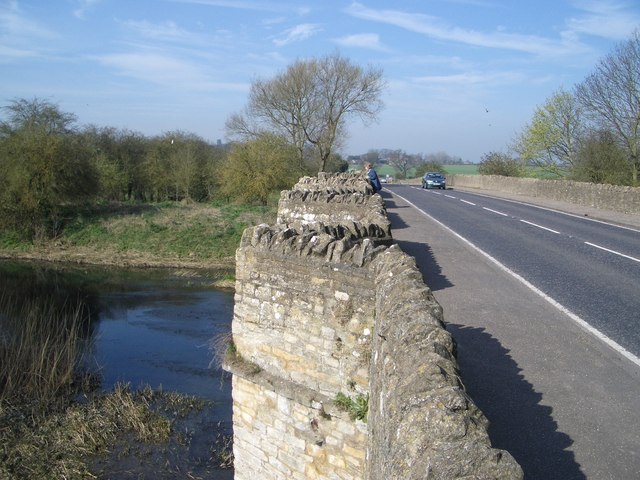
[268, 22]
[471, 78]
[251, 5]
[83, 6]
[607, 19]
[436, 28]
[20, 37]
[362, 40]
[165, 70]
[14, 24]
[168, 32]
[297, 34]
[9, 53]
[175, 40]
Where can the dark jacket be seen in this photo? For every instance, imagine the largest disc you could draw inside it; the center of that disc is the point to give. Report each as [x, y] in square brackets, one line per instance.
[375, 181]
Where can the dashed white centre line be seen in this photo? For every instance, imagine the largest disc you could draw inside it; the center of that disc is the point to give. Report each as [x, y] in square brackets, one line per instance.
[539, 226]
[613, 251]
[582, 323]
[449, 196]
[495, 211]
[466, 201]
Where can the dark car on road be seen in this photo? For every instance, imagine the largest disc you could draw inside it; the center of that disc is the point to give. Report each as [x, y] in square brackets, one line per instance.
[434, 180]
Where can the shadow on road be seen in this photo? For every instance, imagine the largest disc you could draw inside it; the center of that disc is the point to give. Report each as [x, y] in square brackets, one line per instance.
[518, 422]
[393, 217]
[426, 263]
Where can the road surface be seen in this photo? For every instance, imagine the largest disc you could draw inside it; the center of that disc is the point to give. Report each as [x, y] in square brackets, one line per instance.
[544, 308]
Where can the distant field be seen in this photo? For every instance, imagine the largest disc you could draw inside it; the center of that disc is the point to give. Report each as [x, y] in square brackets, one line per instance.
[384, 170]
[461, 169]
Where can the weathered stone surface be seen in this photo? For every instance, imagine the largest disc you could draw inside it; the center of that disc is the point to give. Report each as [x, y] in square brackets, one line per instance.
[323, 307]
[341, 205]
[421, 422]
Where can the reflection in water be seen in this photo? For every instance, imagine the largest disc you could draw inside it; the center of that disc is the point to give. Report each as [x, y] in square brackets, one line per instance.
[143, 327]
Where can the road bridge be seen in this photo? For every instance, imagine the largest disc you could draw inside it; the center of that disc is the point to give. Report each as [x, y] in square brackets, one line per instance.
[561, 399]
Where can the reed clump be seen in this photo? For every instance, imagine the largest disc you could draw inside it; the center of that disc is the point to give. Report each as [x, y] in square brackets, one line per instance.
[54, 423]
[40, 351]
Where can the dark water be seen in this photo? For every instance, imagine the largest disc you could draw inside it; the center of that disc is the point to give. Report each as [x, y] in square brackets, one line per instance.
[146, 327]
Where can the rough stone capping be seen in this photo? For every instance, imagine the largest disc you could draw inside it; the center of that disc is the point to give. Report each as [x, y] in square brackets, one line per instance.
[422, 424]
[287, 241]
[340, 204]
[348, 182]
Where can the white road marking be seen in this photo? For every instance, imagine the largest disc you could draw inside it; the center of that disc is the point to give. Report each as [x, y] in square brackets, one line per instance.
[579, 321]
[495, 211]
[583, 217]
[449, 196]
[466, 201]
[539, 226]
[613, 251]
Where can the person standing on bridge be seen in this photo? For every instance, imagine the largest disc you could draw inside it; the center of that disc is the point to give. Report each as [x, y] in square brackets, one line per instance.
[373, 177]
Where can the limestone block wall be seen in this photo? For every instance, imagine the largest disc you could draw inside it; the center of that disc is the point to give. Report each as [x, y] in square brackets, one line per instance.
[302, 327]
[321, 312]
[282, 431]
[304, 308]
[608, 197]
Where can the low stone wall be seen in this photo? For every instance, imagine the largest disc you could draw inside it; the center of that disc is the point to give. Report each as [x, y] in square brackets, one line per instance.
[319, 315]
[340, 204]
[607, 197]
[422, 424]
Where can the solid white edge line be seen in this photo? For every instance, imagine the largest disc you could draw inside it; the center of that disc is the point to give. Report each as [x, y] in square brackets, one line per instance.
[597, 333]
[539, 226]
[613, 251]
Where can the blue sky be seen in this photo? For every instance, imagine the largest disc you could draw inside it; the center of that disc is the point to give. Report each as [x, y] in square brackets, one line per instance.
[463, 76]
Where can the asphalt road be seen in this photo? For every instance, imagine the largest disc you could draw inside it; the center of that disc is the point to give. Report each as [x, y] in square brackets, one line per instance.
[531, 296]
[590, 268]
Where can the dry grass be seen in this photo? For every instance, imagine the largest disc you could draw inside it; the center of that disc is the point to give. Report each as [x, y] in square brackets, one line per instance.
[72, 442]
[39, 351]
[53, 424]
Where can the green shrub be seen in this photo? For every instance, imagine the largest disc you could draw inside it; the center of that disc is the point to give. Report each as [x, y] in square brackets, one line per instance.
[357, 408]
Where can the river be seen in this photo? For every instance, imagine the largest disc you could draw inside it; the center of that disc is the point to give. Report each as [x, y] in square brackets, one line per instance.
[151, 327]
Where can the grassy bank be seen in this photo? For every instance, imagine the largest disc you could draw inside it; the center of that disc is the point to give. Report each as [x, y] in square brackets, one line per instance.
[141, 235]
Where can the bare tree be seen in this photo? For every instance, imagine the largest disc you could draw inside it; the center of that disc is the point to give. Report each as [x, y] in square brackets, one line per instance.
[611, 96]
[402, 161]
[309, 104]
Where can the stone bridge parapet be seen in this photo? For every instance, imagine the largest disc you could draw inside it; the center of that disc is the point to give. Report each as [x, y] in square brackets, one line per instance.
[342, 364]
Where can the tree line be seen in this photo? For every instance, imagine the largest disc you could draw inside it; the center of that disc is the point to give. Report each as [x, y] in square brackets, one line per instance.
[590, 133]
[49, 166]
[292, 126]
[410, 164]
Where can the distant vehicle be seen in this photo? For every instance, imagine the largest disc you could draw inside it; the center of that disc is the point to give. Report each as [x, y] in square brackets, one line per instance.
[434, 180]
[386, 179]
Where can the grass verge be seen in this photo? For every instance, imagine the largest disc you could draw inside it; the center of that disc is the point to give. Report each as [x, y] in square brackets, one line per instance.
[167, 234]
